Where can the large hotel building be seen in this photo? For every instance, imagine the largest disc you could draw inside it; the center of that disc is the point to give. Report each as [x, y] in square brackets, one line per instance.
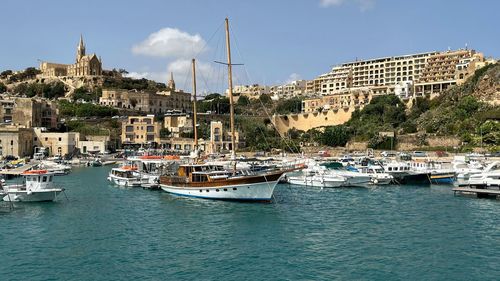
[406, 76]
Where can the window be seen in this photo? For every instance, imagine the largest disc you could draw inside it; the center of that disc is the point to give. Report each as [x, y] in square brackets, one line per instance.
[44, 179]
[60, 139]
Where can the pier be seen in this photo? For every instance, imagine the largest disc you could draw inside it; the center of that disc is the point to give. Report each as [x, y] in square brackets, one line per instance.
[479, 192]
[19, 170]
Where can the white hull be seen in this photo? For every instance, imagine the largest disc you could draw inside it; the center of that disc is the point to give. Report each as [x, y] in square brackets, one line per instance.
[358, 181]
[126, 182]
[34, 196]
[246, 192]
[315, 181]
[380, 180]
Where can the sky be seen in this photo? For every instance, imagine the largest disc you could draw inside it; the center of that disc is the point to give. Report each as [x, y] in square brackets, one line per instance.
[276, 40]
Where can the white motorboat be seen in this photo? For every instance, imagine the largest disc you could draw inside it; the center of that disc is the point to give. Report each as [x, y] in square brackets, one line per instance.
[38, 186]
[489, 178]
[377, 175]
[55, 168]
[150, 168]
[328, 175]
[464, 170]
[125, 176]
[317, 180]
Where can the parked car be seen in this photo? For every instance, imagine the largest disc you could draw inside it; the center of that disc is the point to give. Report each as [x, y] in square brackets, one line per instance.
[441, 153]
[419, 154]
[388, 154]
[323, 153]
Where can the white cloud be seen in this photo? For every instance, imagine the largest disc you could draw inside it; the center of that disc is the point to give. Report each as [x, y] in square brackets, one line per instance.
[137, 75]
[328, 3]
[293, 77]
[363, 5]
[160, 76]
[170, 42]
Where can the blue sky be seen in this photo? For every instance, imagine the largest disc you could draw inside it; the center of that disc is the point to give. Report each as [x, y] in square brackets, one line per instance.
[276, 40]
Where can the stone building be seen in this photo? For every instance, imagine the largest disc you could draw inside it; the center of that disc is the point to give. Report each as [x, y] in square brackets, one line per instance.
[147, 101]
[141, 130]
[177, 123]
[84, 66]
[28, 112]
[57, 143]
[344, 100]
[446, 69]
[16, 141]
[220, 140]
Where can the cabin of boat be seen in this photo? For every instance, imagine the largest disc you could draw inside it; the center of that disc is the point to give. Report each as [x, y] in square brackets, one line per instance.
[202, 175]
[124, 172]
[38, 179]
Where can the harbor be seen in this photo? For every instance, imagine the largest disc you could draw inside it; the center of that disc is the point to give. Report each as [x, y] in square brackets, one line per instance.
[105, 232]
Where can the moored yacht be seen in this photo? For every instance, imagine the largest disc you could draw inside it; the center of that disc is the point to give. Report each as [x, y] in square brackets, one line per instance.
[488, 179]
[205, 181]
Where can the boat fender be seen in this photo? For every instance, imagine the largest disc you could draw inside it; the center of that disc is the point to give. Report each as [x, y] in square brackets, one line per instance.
[29, 192]
[375, 181]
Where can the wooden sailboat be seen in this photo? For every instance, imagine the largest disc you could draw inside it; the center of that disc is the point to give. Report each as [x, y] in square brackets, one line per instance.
[215, 182]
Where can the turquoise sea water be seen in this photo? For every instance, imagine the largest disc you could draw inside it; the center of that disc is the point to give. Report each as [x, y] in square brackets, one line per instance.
[387, 233]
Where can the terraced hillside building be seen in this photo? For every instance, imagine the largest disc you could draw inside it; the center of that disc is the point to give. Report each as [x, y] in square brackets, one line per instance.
[427, 73]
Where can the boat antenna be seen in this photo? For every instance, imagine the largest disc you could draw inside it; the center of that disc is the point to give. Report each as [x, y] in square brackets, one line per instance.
[194, 108]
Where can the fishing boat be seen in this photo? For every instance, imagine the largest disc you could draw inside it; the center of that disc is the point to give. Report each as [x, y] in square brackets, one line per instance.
[213, 182]
[438, 174]
[38, 186]
[124, 176]
[404, 175]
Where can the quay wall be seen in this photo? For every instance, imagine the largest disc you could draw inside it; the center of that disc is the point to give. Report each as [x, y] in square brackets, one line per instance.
[310, 120]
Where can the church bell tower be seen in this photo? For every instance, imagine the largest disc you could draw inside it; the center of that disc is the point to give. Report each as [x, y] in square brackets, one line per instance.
[80, 52]
[171, 82]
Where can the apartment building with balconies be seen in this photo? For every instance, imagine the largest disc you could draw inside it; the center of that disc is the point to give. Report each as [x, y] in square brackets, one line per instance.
[141, 130]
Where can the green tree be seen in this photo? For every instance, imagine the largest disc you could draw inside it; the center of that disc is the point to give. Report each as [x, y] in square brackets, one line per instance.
[3, 88]
[336, 135]
[287, 106]
[265, 99]
[243, 101]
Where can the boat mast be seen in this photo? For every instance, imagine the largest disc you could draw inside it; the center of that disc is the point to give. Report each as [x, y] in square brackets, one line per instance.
[230, 91]
[194, 108]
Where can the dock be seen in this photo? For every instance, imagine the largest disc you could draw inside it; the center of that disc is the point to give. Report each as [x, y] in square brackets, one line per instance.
[479, 192]
[19, 170]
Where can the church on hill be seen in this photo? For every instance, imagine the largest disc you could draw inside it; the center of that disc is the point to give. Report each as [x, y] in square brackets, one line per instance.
[85, 65]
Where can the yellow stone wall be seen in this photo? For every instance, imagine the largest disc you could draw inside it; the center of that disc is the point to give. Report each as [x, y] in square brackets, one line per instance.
[307, 121]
